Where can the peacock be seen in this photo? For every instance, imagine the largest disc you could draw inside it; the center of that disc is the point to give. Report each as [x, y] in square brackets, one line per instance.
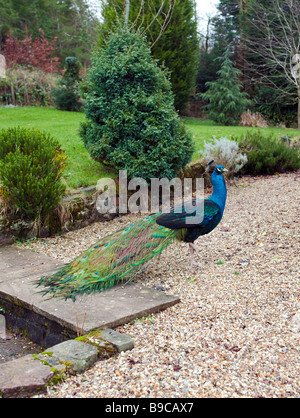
[117, 257]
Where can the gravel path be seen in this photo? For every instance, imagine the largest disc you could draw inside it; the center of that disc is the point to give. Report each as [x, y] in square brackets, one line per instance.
[236, 331]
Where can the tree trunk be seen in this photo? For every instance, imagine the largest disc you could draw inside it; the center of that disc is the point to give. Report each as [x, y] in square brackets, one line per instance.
[127, 12]
[299, 103]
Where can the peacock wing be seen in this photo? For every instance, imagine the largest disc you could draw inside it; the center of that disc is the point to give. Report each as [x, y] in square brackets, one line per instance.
[197, 218]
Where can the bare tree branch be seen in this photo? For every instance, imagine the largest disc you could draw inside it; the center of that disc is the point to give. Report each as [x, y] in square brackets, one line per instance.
[158, 15]
[276, 40]
[167, 19]
[274, 47]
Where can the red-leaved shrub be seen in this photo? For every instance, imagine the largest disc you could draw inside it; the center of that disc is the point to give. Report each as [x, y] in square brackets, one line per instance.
[34, 53]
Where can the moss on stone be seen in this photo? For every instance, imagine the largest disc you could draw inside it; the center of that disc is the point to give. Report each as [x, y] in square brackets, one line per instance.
[105, 349]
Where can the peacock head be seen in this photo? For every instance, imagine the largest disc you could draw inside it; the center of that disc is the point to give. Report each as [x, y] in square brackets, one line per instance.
[219, 184]
[218, 169]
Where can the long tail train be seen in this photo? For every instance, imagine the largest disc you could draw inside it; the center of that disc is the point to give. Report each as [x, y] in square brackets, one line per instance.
[112, 260]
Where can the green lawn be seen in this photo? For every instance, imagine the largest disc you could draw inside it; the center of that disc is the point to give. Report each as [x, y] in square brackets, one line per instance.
[205, 129]
[82, 170]
[64, 126]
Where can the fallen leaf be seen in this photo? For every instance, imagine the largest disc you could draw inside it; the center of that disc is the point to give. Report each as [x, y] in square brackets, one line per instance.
[235, 348]
[176, 367]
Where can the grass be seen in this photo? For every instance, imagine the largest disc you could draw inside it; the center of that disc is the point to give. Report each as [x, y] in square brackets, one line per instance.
[82, 170]
[205, 129]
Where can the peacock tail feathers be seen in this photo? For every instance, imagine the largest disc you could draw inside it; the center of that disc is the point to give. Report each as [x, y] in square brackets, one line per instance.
[113, 259]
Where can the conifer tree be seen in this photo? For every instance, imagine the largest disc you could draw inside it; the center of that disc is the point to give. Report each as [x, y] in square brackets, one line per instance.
[66, 96]
[226, 101]
[171, 28]
[178, 49]
[131, 120]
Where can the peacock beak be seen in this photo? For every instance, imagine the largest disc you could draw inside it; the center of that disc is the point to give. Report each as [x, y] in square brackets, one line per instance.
[225, 169]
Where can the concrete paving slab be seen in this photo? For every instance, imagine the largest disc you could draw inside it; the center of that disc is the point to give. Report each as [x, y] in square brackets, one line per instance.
[19, 269]
[24, 377]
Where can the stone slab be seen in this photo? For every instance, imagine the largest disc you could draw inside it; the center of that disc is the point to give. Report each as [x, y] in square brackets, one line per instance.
[122, 342]
[78, 355]
[24, 377]
[19, 269]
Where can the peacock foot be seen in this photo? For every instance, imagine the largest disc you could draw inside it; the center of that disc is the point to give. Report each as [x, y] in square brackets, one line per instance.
[193, 249]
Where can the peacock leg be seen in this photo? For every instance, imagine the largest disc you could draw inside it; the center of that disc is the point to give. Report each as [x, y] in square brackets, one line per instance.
[193, 249]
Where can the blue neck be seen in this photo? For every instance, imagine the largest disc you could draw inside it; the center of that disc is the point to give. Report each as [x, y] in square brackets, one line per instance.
[220, 192]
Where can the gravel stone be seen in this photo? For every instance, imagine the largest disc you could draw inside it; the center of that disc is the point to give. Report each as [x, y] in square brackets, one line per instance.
[236, 331]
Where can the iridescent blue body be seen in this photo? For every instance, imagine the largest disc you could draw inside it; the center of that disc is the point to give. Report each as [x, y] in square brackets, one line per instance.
[204, 222]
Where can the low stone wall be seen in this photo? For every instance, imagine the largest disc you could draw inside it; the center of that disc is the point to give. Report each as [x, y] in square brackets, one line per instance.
[77, 211]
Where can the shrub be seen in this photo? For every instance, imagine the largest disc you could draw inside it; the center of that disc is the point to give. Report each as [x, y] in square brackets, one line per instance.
[66, 96]
[131, 119]
[226, 152]
[226, 101]
[267, 154]
[276, 109]
[32, 53]
[31, 169]
[25, 87]
[253, 120]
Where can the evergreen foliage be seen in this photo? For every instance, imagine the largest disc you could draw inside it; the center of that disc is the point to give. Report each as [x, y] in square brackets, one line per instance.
[225, 100]
[66, 96]
[227, 24]
[131, 119]
[208, 67]
[263, 33]
[177, 48]
[268, 155]
[222, 29]
[31, 169]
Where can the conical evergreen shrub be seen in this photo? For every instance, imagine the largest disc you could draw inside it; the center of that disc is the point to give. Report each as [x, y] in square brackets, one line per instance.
[131, 120]
[226, 101]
